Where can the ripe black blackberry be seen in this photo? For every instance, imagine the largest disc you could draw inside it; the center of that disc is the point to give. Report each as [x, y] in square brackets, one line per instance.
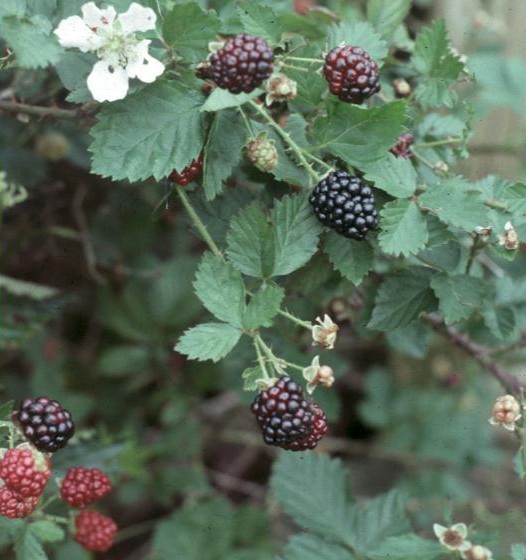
[318, 430]
[242, 64]
[285, 417]
[345, 204]
[44, 423]
[402, 148]
[351, 73]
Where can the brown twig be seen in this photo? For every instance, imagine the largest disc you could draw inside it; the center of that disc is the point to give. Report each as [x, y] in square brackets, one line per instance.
[56, 112]
[478, 352]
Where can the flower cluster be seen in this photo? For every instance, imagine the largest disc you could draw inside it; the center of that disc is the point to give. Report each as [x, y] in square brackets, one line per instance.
[454, 538]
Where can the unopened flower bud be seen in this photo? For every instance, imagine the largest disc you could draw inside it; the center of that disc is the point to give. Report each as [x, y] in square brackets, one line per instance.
[477, 552]
[506, 412]
[441, 167]
[281, 88]
[402, 88]
[317, 374]
[454, 537]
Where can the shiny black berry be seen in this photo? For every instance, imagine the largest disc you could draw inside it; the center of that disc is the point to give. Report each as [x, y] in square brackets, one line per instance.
[351, 73]
[318, 430]
[402, 148]
[242, 64]
[189, 173]
[345, 204]
[44, 423]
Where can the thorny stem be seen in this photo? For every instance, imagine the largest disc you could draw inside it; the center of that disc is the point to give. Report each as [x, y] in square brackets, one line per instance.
[443, 142]
[294, 319]
[425, 161]
[319, 161]
[56, 112]
[200, 226]
[475, 248]
[287, 138]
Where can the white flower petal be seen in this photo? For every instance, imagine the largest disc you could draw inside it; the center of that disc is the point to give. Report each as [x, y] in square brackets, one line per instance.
[143, 66]
[461, 529]
[108, 82]
[72, 32]
[95, 17]
[439, 530]
[137, 18]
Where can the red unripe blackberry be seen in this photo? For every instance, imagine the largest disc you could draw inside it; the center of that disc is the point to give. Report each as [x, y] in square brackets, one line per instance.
[189, 173]
[44, 423]
[14, 506]
[23, 474]
[242, 64]
[82, 486]
[318, 430]
[94, 531]
[345, 204]
[351, 73]
[402, 148]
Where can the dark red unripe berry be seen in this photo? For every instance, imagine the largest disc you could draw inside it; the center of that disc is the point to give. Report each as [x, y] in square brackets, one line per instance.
[402, 148]
[242, 64]
[44, 423]
[21, 473]
[318, 430]
[189, 173]
[94, 531]
[82, 486]
[14, 506]
[351, 73]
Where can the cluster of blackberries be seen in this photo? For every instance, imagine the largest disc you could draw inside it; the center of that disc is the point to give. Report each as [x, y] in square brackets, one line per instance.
[286, 418]
[345, 204]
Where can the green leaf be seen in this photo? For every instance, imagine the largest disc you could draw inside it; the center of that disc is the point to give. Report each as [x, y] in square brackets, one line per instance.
[358, 34]
[23, 288]
[251, 378]
[209, 341]
[456, 203]
[395, 176]
[221, 289]
[514, 197]
[250, 242]
[223, 99]
[123, 360]
[357, 135]
[296, 232]
[323, 509]
[15, 8]
[406, 547]
[439, 234]
[10, 528]
[31, 41]
[260, 20]
[404, 229]
[378, 519]
[223, 151]
[459, 296]
[518, 552]
[48, 531]
[310, 547]
[6, 409]
[134, 141]
[387, 15]
[73, 69]
[439, 66]
[263, 307]
[402, 298]
[28, 547]
[188, 30]
[352, 259]
[500, 321]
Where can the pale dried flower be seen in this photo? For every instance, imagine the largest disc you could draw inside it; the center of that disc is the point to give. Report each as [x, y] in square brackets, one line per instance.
[325, 332]
[510, 239]
[316, 374]
[506, 412]
[454, 537]
[477, 552]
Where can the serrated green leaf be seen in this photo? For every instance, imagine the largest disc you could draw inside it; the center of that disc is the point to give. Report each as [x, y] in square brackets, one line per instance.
[10, 528]
[440, 67]
[456, 204]
[221, 289]
[402, 298]
[31, 41]
[358, 34]
[296, 232]
[518, 552]
[396, 176]
[500, 321]
[209, 341]
[352, 259]
[250, 242]
[514, 197]
[263, 307]
[28, 547]
[15, 8]
[387, 15]
[323, 509]
[73, 69]
[251, 378]
[133, 141]
[404, 229]
[47, 531]
[357, 135]
[439, 234]
[260, 20]
[459, 296]
[188, 30]
[223, 151]
[310, 547]
[223, 99]
[406, 547]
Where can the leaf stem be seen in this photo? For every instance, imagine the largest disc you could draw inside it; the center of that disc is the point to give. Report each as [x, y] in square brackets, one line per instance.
[443, 142]
[261, 360]
[247, 122]
[294, 319]
[302, 59]
[319, 161]
[287, 138]
[15, 107]
[199, 225]
[425, 161]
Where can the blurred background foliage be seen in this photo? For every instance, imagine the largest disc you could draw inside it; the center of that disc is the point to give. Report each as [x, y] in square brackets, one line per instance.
[96, 288]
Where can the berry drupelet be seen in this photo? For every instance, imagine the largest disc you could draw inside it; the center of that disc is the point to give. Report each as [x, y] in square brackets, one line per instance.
[351, 73]
[242, 64]
[286, 419]
[23, 474]
[94, 531]
[82, 486]
[44, 423]
[189, 173]
[14, 506]
[345, 204]
[402, 148]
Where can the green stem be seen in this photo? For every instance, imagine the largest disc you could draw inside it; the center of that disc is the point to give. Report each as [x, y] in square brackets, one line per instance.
[246, 121]
[443, 142]
[472, 255]
[301, 59]
[497, 205]
[294, 319]
[199, 225]
[319, 161]
[424, 160]
[261, 360]
[287, 138]
[292, 67]
[136, 530]
[294, 366]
